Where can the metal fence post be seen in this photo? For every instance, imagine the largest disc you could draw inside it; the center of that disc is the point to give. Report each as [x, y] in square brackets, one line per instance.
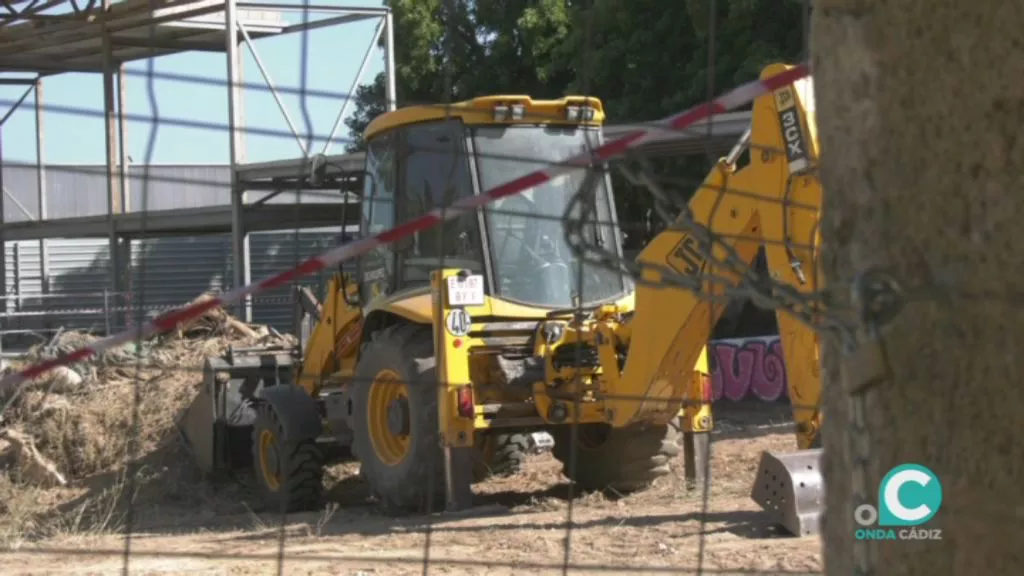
[16, 289]
[106, 311]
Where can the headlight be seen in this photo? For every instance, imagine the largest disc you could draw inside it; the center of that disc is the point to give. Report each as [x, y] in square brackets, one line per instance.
[580, 113]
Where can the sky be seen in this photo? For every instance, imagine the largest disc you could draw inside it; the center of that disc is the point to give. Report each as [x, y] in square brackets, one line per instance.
[74, 127]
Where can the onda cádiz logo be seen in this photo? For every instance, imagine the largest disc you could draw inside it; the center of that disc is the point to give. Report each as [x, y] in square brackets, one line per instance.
[908, 496]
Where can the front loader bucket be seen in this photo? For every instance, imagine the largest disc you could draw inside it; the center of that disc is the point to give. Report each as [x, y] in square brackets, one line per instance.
[202, 427]
[790, 488]
[216, 427]
[196, 428]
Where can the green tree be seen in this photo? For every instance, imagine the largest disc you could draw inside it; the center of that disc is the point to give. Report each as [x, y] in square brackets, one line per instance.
[457, 49]
[647, 59]
[644, 58]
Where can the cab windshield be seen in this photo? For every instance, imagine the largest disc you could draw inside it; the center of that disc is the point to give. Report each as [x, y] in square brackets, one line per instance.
[532, 261]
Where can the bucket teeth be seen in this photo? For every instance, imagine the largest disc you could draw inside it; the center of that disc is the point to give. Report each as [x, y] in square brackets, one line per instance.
[790, 488]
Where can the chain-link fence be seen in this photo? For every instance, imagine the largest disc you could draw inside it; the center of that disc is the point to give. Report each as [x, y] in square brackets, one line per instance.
[542, 210]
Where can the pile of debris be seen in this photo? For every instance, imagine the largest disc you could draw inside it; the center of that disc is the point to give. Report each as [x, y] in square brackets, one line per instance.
[95, 415]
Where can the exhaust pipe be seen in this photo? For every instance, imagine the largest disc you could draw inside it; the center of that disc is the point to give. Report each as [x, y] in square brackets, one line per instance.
[790, 488]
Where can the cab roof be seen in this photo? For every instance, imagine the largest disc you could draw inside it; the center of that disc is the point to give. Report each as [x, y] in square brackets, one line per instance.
[481, 111]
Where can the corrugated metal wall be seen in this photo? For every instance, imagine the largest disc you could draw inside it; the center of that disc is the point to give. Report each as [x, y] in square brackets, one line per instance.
[166, 272]
[79, 273]
[82, 190]
[272, 252]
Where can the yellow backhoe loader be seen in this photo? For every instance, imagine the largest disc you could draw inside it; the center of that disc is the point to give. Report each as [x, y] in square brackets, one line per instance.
[439, 352]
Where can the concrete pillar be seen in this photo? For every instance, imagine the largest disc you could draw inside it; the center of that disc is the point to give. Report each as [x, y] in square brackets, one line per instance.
[920, 105]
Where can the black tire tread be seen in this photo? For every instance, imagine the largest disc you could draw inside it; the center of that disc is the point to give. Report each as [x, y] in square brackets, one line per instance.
[419, 485]
[507, 458]
[630, 460]
[302, 463]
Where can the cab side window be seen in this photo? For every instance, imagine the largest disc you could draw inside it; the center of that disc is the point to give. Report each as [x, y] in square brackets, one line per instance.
[435, 174]
[378, 215]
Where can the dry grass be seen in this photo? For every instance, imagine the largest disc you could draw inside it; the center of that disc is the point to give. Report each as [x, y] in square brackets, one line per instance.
[102, 415]
[519, 522]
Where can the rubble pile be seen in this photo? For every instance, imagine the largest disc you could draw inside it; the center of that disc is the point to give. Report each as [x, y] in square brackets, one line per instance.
[90, 417]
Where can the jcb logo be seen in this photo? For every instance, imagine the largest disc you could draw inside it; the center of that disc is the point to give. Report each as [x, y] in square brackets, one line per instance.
[687, 258]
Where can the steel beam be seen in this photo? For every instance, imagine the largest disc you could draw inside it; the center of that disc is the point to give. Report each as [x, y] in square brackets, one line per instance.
[239, 235]
[390, 98]
[44, 254]
[273, 87]
[169, 45]
[187, 221]
[16, 105]
[327, 22]
[355, 85]
[312, 8]
[122, 138]
[3, 239]
[114, 205]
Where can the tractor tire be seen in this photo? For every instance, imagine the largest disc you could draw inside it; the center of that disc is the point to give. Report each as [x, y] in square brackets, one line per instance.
[289, 474]
[622, 460]
[500, 455]
[395, 426]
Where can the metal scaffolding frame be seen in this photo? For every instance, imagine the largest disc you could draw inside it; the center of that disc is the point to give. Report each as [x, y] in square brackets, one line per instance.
[102, 39]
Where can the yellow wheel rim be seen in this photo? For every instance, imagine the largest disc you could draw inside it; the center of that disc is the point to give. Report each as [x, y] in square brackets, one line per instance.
[386, 389]
[268, 458]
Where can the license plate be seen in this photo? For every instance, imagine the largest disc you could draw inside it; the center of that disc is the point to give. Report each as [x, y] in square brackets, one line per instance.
[466, 291]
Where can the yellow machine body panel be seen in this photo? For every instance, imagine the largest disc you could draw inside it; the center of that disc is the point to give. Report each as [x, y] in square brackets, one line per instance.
[481, 111]
[417, 306]
[334, 341]
[773, 201]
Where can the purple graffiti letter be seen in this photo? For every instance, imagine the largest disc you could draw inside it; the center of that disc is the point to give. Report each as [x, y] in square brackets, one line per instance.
[769, 379]
[733, 371]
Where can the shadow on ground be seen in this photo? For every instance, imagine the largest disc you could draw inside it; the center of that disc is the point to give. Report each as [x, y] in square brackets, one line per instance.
[751, 419]
[744, 524]
[165, 493]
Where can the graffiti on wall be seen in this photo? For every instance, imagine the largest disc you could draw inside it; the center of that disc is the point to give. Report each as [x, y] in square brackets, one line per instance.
[748, 368]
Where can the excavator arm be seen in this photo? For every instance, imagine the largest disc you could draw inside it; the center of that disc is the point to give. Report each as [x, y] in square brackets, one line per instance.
[773, 201]
[334, 341]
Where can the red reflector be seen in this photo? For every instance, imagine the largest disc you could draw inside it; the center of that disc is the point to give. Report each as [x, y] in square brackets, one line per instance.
[465, 395]
[457, 343]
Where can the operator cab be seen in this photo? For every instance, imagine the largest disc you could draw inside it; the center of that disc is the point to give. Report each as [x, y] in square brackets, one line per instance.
[423, 158]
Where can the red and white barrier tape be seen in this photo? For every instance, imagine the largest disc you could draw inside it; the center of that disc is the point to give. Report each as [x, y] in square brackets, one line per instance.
[734, 98]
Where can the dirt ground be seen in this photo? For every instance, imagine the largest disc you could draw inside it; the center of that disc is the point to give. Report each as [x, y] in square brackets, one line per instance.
[522, 525]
